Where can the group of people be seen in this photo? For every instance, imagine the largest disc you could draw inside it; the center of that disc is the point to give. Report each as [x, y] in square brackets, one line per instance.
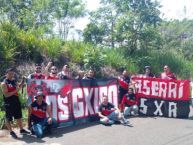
[37, 120]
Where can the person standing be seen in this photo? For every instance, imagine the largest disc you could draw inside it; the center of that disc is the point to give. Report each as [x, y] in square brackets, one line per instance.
[167, 74]
[53, 74]
[108, 113]
[90, 75]
[124, 81]
[38, 73]
[148, 73]
[37, 116]
[129, 100]
[65, 73]
[10, 89]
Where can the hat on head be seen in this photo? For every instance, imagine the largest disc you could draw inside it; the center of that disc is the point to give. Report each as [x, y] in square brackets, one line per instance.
[39, 93]
[147, 67]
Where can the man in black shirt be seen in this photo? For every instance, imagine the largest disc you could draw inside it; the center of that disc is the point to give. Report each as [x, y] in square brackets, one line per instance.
[124, 81]
[90, 75]
[108, 113]
[10, 89]
[148, 73]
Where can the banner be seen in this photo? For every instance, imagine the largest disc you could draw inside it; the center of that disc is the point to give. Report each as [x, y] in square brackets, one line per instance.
[74, 101]
[161, 97]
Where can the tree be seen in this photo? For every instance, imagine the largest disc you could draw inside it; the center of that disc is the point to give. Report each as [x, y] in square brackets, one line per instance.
[93, 34]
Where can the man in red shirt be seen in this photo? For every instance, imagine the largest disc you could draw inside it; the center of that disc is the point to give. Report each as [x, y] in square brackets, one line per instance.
[10, 89]
[53, 75]
[38, 73]
[129, 100]
[167, 74]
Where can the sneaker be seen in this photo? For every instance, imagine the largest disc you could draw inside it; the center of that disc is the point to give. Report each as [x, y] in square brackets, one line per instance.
[135, 115]
[49, 130]
[23, 131]
[13, 135]
[128, 123]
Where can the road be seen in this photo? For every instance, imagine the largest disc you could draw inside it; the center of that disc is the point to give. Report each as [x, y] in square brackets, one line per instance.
[145, 131]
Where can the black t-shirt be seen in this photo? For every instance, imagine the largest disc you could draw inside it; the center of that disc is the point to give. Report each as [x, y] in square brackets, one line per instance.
[63, 76]
[11, 86]
[131, 97]
[88, 78]
[148, 76]
[38, 112]
[106, 110]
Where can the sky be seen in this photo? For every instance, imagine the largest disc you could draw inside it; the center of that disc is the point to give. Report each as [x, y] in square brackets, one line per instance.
[170, 9]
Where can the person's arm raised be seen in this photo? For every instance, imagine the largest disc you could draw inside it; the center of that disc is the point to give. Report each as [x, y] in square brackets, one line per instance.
[46, 69]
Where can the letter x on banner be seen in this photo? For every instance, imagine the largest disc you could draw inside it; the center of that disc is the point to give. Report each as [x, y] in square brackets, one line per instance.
[160, 97]
[74, 101]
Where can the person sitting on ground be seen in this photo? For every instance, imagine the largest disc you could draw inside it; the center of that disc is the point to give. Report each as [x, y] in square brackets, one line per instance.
[108, 113]
[167, 74]
[90, 75]
[53, 75]
[12, 103]
[37, 119]
[129, 100]
[124, 81]
[148, 73]
[65, 73]
[37, 74]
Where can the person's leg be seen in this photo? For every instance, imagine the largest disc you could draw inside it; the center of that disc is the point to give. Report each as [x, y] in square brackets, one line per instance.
[19, 123]
[38, 130]
[103, 121]
[135, 109]
[127, 111]
[8, 125]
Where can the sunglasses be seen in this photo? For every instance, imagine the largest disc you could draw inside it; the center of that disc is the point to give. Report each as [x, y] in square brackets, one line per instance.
[67, 67]
[38, 68]
[147, 69]
[54, 69]
[165, 67]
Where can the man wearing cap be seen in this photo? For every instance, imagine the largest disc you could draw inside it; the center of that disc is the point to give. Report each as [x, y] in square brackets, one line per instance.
[38, 73]
[129, 100]
[37, 116]
[148, 73]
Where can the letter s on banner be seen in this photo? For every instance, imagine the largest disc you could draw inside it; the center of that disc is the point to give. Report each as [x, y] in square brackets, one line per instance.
[63, 105]
[78, 106]
[142, 104]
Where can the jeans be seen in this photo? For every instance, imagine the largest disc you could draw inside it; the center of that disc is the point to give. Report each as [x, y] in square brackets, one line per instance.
[38, 128]
[113, 116]
[128, 110]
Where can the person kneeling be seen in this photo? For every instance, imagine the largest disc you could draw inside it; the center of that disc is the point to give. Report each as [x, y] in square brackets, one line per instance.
[37, 116]
[108, 113]
[129, 100]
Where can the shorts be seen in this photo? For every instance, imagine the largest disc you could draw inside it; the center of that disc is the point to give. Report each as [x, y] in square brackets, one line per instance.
[13, 110]
[121, 94]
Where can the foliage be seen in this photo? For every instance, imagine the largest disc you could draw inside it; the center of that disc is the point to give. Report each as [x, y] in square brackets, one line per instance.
[94, 59]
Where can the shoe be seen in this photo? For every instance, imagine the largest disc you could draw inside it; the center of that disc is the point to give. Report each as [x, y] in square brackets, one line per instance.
[136, 115]
[49, 130]
[13, 135]
[23, 131]
[128, 123]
